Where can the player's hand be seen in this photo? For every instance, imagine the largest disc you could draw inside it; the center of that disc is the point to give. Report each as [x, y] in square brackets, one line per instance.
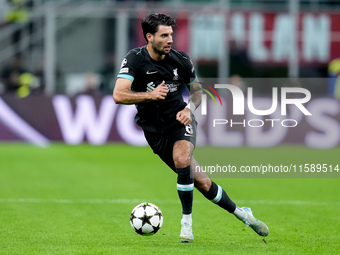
[160, 92]
[184, 116]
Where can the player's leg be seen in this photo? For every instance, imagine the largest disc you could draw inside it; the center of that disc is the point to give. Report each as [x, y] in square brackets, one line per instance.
[211, 190]
[185, 185]
[176, 153]
[217, 195]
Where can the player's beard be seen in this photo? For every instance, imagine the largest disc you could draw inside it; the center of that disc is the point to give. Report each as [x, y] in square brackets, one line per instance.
[159, 48]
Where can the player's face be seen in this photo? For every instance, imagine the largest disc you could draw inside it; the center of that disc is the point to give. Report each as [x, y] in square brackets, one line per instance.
[162, 40]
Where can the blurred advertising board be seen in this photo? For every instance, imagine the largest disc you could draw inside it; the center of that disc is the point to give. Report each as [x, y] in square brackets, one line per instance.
[98, 120]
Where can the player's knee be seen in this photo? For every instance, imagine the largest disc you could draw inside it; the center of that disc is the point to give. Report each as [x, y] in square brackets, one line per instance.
[202, 184]
[182, 161]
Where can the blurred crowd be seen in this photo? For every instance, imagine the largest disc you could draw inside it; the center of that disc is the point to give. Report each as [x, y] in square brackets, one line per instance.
[16, 79]
[20, 78]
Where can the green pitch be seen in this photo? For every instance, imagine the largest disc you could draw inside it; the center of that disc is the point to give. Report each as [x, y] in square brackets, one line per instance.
[77, 200]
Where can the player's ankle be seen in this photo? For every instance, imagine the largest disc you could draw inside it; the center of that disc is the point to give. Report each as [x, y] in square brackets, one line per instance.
[186, 218]
[240, 214]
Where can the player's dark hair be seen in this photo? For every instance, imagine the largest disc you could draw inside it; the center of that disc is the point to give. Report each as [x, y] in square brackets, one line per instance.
[151, 22]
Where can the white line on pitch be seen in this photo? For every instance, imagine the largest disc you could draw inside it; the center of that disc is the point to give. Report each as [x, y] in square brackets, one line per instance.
[161, 201]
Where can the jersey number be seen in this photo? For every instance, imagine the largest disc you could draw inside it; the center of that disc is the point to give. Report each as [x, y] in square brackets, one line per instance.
[188, 129]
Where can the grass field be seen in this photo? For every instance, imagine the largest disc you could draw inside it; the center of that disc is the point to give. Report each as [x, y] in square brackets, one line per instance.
[77, 200]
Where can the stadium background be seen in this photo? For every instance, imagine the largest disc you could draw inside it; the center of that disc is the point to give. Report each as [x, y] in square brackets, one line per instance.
[75, 48]
[64, 55]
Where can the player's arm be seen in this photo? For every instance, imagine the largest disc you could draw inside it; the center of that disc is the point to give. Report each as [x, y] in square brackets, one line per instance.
[195, 98]
[195, 95]
[122, 93]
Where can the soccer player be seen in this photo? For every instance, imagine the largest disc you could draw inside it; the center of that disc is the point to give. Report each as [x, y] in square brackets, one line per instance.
[152, 78]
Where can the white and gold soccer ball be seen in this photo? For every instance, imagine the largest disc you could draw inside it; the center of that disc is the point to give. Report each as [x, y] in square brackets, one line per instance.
[146, 219]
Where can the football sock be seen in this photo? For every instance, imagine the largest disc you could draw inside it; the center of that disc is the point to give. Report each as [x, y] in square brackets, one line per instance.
[186, 218]
[218, 196]
[185, 188]
[240, 213]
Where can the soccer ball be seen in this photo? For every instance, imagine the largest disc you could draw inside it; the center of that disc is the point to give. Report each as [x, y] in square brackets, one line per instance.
[146, 219]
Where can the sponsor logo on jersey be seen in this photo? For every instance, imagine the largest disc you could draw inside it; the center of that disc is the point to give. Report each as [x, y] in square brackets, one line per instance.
[188, 135]
[151, 72]
[175, 74]
[172, 86]
[124, 62]
[150, 86]
[124, 70]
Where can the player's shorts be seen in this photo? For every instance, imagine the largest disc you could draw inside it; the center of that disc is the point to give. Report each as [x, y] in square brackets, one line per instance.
[162, 144]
